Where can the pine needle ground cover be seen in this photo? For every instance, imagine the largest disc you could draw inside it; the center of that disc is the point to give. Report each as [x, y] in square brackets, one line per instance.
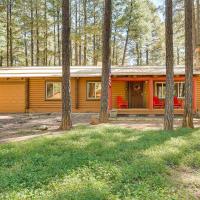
[104, 162]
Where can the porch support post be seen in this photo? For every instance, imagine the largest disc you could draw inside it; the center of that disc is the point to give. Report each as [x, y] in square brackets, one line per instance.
[110, 95]
[194, 95]
[77, 93]
[27, 95]
[150, 94]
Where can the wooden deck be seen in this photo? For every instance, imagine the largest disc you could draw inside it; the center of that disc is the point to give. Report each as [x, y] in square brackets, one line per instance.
[146, 111]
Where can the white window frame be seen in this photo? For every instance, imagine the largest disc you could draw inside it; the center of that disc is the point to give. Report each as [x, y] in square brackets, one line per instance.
[163, 93]
[179, 83]
[88, 85]
[164, 83]
[52, 82]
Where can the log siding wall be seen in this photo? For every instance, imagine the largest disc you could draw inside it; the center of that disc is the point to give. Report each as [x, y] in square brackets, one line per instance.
[198, 93]
[12, 87]
[38, 103]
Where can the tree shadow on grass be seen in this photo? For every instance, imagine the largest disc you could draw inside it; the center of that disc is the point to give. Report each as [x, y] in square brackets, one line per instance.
[90, 163]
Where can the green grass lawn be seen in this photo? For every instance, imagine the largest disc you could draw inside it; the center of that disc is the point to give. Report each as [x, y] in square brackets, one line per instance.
[100, 163]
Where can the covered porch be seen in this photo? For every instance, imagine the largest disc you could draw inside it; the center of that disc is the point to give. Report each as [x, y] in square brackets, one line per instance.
[146, 95]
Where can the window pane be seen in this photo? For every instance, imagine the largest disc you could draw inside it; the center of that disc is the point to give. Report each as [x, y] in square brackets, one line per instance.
[91, 90]
[176, 85]
[98, 90]
[49, 90]
[164, 90]
[57, 91]
[54, 90]
[159, 90]
[182, 90]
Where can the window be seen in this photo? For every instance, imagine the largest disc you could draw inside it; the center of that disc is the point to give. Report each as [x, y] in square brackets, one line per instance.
[179, 89]
[93, 90]
[53, 90]
[160, 90]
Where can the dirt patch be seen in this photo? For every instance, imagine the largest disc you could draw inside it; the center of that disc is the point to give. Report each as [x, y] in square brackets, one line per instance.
[23, 126]
[189, 179]
[17, 127]
[148, 123]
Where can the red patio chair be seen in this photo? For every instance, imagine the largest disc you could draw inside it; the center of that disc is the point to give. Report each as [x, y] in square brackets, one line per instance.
[157, 103]
[121, 103]
[177, 103]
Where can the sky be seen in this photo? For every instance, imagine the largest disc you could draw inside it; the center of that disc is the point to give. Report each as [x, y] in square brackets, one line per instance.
[158, 2]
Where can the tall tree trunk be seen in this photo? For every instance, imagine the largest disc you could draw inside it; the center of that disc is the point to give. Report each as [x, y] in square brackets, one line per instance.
[188, 108]
[58, 34]
[178, 56]
[54, 34]
[127, 33]
[116, 57]
[32, 42]
[198, 23]
[98, 45]
[169, 99]
[76, 31]
[46, 34]
[194, 31]
[141, 61]
[85, 33]
[1, 60]
[11, 34]
[138, 54]
[8, 34]
[197, 28]
[66, 95]
[94, 50]
[147, 56]
[80, 54]
[125, 47]
[114, 47]
[71, 48]
[37, 35]
[80, 39]
[94, 36]
[25, 49]
[106, 68]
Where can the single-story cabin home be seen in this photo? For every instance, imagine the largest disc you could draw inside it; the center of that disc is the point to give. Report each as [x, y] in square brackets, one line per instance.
[133, 89]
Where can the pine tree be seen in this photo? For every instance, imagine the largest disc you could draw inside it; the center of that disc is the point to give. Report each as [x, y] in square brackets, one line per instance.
[66, 96]
[106, 63]
[169, 99]
[188, 108]
[31, 32]
[196, 27]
